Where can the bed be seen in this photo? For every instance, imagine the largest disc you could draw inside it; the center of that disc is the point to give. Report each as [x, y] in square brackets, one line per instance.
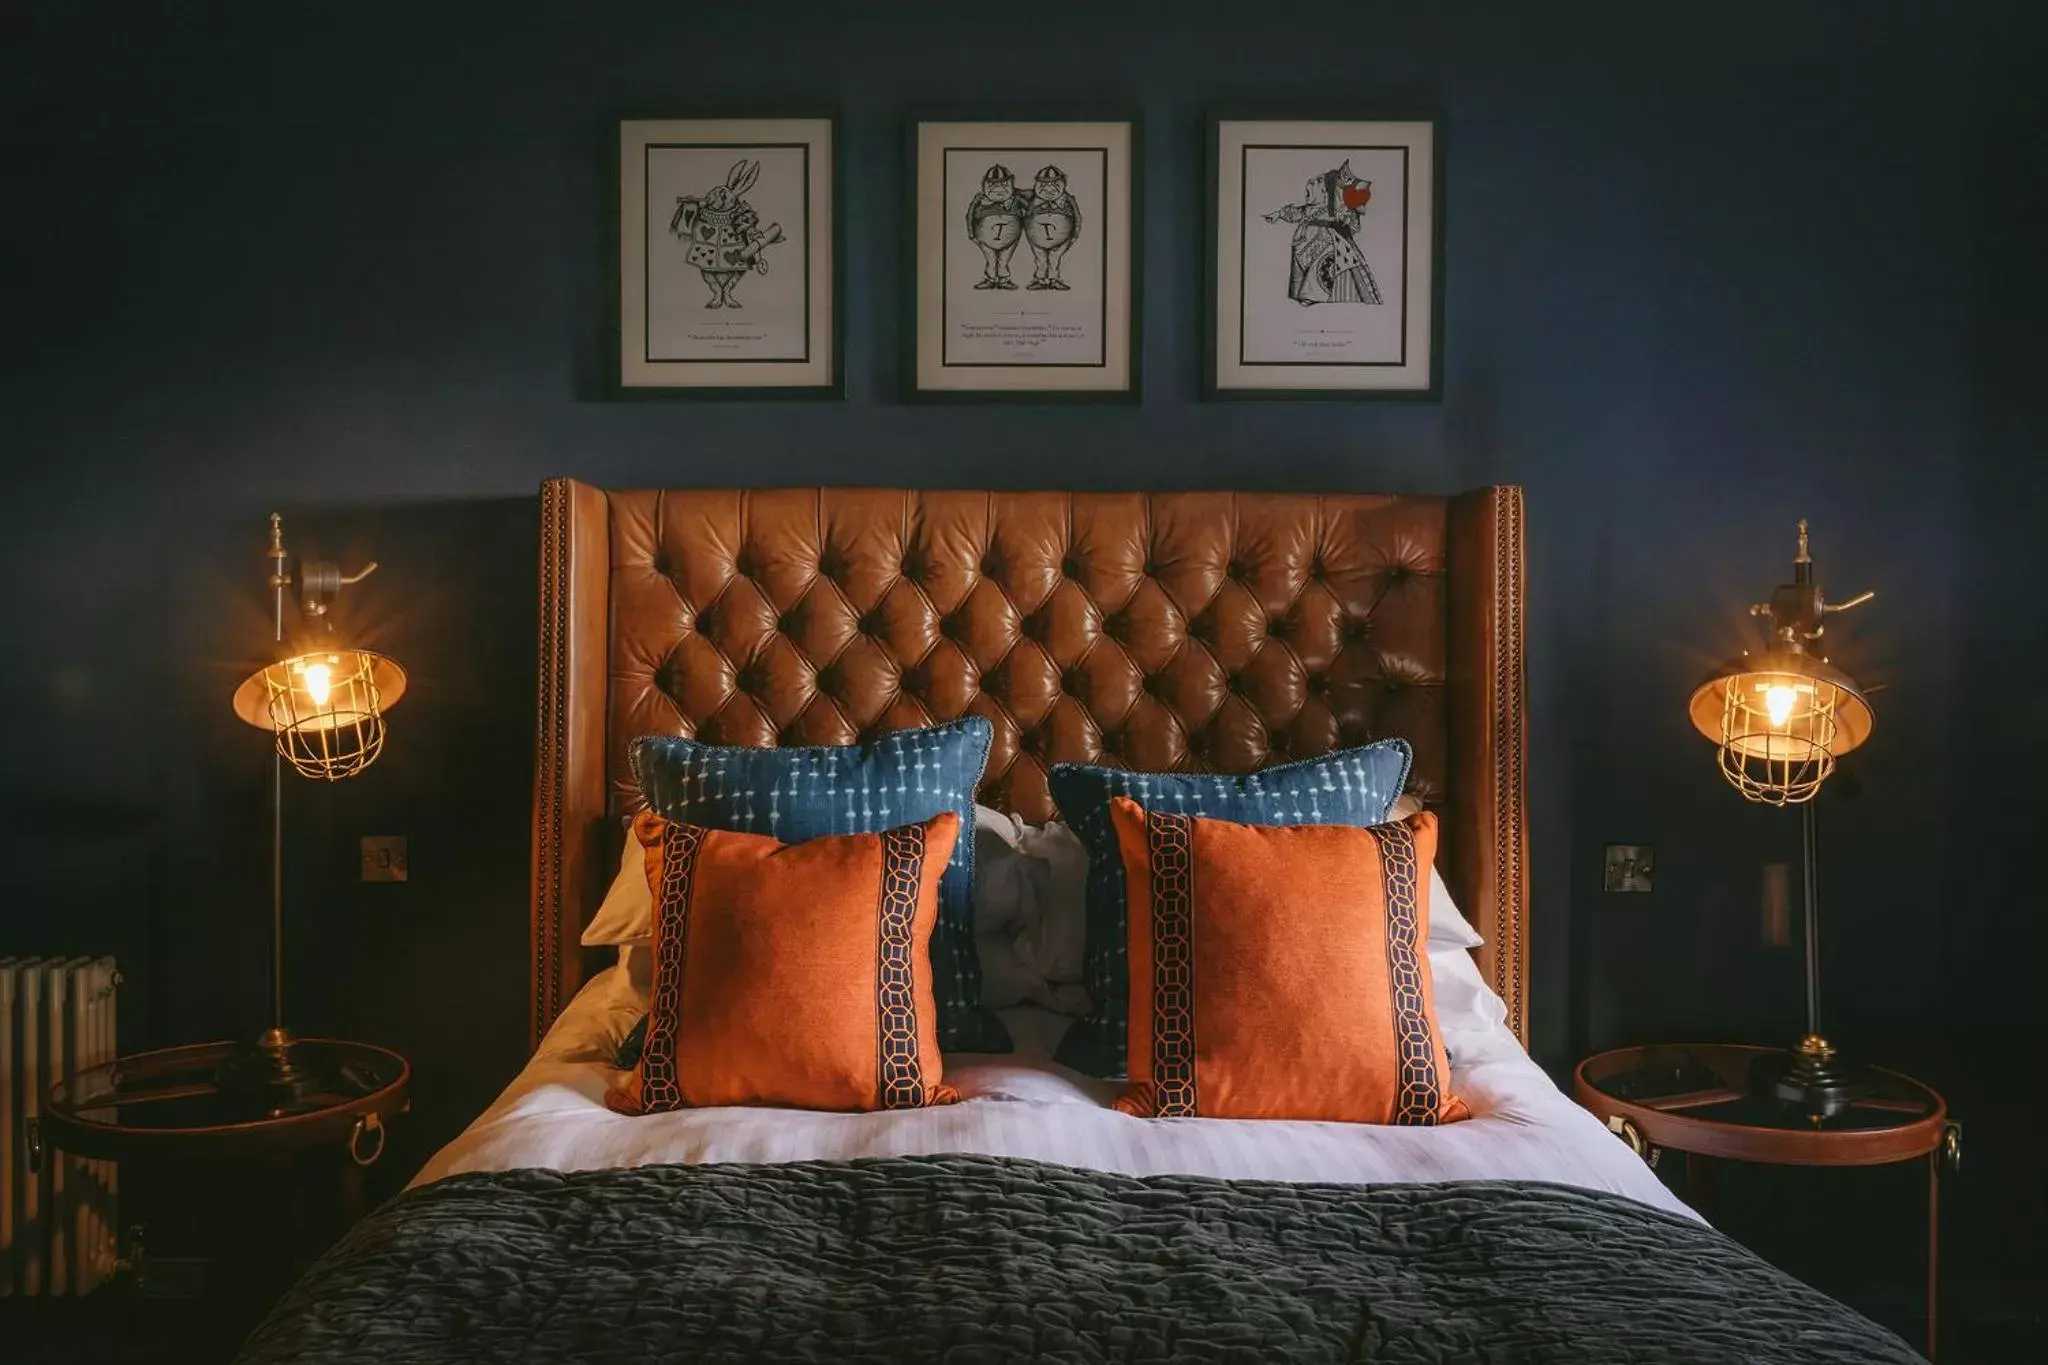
[1208, 631]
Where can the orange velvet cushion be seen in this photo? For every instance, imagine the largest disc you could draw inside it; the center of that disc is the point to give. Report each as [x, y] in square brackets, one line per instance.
[1281, 972]
[791, 974]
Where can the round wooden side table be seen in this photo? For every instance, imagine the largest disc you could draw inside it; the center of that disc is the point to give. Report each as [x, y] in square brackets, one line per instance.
[169, 1106]
[1697, 1098]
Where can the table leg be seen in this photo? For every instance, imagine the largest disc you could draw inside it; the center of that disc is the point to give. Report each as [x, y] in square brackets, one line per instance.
[1700, 1184]
[351, 1194]
[1934, 1159]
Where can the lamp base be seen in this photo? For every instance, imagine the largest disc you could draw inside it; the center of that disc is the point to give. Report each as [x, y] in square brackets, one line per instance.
[1813, 1076]
[276, 1066]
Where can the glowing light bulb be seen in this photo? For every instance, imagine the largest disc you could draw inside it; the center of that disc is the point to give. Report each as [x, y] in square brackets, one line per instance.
[319, 679]
[1778, 700]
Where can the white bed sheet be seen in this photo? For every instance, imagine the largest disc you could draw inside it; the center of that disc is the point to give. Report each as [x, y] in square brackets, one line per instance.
[553, 1116]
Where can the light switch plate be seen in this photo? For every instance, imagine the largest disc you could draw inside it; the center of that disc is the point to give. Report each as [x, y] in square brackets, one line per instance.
[1630, 867]
[383, 857]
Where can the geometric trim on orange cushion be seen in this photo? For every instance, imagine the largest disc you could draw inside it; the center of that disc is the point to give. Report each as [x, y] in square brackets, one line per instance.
[659, 1091]
[902, 873]
[1170, 836]
[1419, 1096]
[866, 1039]
[1310, 995]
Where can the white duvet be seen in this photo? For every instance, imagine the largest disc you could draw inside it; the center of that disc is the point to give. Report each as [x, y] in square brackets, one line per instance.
[1024, 1105]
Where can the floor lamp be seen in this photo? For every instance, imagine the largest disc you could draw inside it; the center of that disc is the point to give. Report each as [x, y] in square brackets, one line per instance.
[324, 701]
[1780, 720]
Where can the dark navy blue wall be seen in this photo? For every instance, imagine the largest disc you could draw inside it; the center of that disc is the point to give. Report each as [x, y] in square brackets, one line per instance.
[1704, 277]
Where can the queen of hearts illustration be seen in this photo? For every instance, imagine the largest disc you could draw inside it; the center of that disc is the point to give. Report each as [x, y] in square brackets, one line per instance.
[1325, 265]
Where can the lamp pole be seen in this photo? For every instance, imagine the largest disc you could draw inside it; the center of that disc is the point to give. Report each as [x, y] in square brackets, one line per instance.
[279, 1070]
[277, 869]
[1781, 719]
[1810, 850]
[324, 710]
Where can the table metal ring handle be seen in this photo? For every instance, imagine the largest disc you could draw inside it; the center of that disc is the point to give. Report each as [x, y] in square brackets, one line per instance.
[1625, 1129]
[366, 1125]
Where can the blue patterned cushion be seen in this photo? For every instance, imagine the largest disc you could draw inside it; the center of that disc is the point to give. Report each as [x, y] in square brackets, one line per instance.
[797, 793]
[1348, 787]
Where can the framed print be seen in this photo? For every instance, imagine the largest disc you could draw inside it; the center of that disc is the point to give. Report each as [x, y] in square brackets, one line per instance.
[1024, 279]
[728, 276]
[1326, 263]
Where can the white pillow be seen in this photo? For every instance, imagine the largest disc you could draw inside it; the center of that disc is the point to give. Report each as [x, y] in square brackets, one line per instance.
[1009, 978]
[627, 912]
[1003, 890]
[1465, 1004]
[1447, 928]
[1030, 912]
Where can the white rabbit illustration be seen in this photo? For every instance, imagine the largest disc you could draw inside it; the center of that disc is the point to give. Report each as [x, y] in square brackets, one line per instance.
[724, 233]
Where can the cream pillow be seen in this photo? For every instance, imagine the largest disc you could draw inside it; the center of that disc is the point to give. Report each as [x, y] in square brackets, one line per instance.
[633, 983]
[626, 918]
[626, 915]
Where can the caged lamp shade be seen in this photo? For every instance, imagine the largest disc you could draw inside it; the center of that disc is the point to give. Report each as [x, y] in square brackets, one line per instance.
[326, 706]
[1780, 720]
[324, 701]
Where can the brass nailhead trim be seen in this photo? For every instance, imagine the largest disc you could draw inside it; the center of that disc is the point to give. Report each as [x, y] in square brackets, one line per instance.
[552, 743]
[1510, 792]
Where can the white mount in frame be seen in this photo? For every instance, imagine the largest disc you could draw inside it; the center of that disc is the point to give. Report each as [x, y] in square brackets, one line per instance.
[726, 269]
[1024, 258]
[1326, 268]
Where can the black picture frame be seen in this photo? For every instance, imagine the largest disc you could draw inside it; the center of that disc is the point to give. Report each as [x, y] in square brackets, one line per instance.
[1210, 284]
[909, 313]
[617, 386]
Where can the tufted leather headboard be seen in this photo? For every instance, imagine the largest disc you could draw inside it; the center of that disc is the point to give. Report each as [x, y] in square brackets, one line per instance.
[1167, 630]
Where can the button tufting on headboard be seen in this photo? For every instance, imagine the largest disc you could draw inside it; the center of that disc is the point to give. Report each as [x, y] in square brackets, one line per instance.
[1178, 630]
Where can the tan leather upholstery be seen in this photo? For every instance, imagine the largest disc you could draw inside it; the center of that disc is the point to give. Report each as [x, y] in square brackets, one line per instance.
[1220, 631]
[569, 777]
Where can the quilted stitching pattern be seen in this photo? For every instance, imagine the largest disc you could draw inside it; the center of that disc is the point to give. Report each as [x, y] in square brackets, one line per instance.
[976, 1259]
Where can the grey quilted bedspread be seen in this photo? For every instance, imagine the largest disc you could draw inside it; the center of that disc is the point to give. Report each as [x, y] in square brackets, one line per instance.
[966, 1259]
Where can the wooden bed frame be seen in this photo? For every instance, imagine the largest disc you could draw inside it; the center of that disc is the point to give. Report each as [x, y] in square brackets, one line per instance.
[1196, 630]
